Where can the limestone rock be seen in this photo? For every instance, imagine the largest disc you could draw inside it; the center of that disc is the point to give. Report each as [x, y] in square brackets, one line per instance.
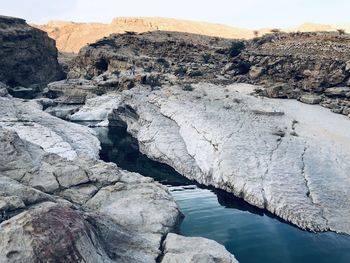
[54, 135]
[179, 249]
[51, 232]
[97, 109]
[174, 127]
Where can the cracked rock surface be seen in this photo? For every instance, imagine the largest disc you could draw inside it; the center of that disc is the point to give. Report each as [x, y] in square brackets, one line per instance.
[284, 156]
[66, 205]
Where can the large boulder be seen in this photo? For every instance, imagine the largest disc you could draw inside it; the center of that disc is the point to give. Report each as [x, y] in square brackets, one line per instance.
[27, 55]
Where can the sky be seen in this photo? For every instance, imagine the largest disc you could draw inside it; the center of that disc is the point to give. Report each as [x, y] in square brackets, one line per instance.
[251, 14]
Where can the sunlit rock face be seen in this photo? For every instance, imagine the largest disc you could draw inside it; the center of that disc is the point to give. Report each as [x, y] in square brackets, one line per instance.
[287, 157]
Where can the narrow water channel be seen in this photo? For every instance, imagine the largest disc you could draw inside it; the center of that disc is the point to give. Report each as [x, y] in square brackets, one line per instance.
[251, 234]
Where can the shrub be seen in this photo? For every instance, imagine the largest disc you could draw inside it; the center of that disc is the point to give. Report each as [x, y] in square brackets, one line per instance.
[275, 30]
[236, 48]
[206, 58]
[187, 87]
[180, 71]
[243, 67]
[341, 31]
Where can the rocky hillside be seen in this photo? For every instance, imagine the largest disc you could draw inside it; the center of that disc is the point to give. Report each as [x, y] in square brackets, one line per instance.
[70, 36]
[27, 55]
[153, 58]
[311, 67]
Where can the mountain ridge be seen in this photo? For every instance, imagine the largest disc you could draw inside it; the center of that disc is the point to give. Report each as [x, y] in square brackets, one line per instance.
[71, 36]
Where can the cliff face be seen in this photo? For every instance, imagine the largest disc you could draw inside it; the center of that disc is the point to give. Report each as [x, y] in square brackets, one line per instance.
[27, 55]
[157, 57]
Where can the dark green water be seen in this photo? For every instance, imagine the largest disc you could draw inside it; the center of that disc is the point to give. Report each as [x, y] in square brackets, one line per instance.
[251, 234]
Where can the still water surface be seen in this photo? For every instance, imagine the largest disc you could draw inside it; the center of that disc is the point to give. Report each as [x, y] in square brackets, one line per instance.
[251, 234]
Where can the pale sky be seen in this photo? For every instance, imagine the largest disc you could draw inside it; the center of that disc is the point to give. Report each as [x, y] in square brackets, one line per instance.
[237, 13]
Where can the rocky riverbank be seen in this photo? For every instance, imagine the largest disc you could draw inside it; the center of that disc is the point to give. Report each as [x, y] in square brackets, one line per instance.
[253, 147]
[59, 202]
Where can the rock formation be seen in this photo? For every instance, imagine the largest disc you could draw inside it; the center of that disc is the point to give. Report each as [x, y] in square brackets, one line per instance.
[152, 58]
[28, 57]
[253, 147]
[58, 201]
[311, 67]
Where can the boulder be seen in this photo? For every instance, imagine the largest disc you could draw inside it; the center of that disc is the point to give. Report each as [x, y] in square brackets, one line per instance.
[337, 91]
[310, 99]
[255, 72]
[280, 90]
[180, 249]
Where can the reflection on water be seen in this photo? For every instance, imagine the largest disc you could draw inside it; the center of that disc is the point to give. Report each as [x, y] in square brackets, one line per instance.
[251, 234]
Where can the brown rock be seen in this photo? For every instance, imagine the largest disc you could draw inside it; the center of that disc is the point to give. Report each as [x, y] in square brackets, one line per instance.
[337, 91]
[310, 99]
[27, 55]
[255, 72]
[336, 77]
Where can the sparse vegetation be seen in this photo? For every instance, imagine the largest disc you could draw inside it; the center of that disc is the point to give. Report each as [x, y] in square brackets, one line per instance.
[187, 87]
[275, 30]
[206, 58]
[341, 31]
[180, 71]
[243, 67]
[236, 48]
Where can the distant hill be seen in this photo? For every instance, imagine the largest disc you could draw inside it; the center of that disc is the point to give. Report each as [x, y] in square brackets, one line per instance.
[71, 36]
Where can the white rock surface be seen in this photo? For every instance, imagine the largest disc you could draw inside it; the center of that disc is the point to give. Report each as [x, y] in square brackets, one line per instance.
[84, 210]
[98, 109]
[66, 139]
[180, 249]
[287, 157]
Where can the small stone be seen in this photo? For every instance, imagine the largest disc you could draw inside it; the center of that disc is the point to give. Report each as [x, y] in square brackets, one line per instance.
[347, 66]
[278, 90]
[310, 99]
[228, 67]
[255, 72]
